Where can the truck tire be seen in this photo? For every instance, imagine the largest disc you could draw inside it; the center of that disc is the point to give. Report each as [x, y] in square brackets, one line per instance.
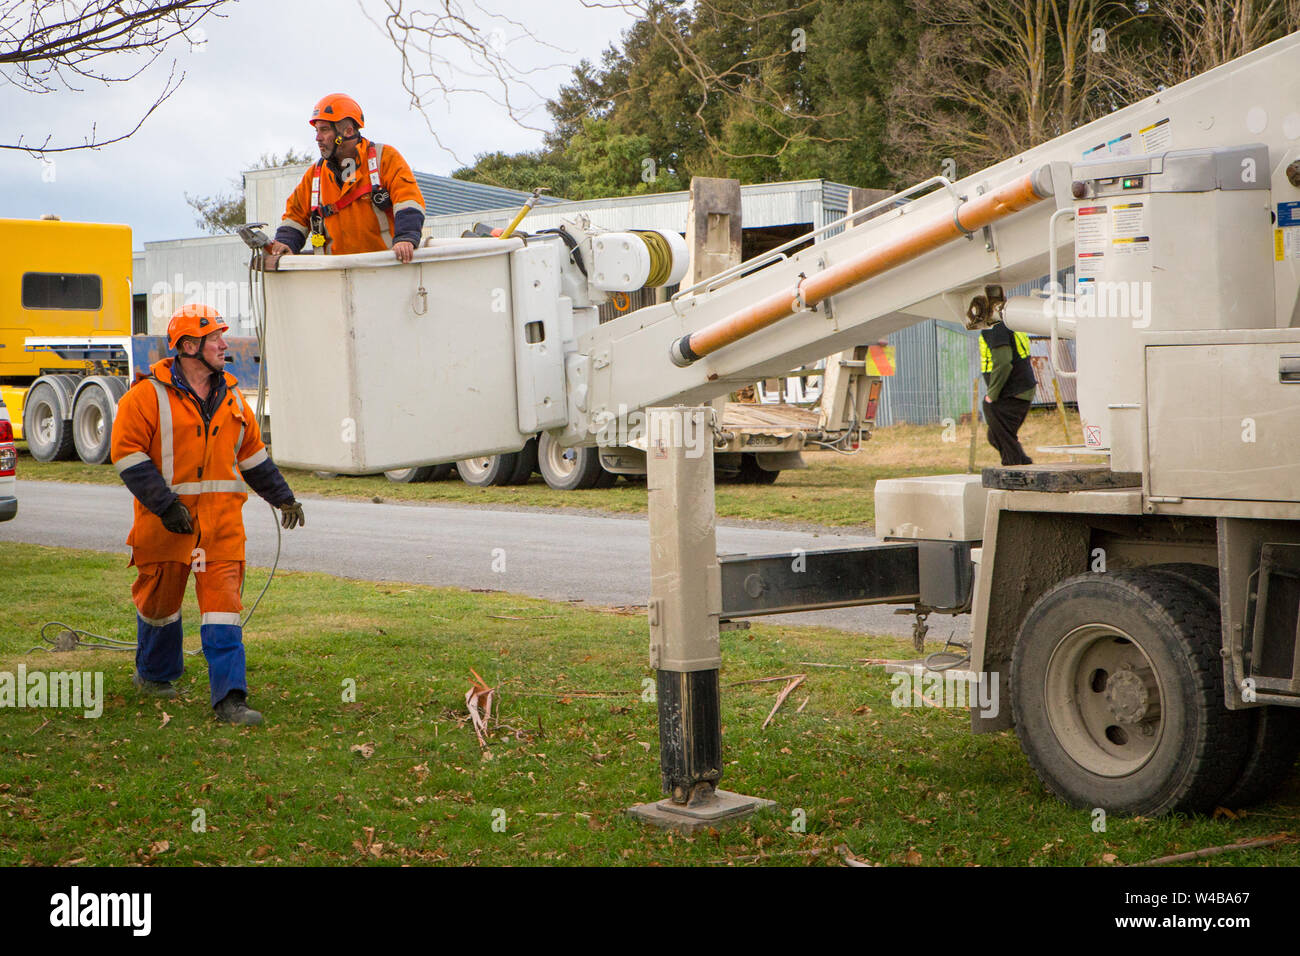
[92, 421]
[489, 471]
[752, 473]
[420, 473]
[525, 464]
[1274, 735]
[568, 469]
[1117, 692]
[48, 434]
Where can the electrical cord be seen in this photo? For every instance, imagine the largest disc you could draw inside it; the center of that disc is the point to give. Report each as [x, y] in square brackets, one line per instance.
[74, 638]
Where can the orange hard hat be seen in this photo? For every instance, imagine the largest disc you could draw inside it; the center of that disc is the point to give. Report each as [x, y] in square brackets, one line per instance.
[196, 320]
[335, 107]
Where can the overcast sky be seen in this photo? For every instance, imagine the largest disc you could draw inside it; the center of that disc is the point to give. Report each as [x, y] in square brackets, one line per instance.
[249, 89]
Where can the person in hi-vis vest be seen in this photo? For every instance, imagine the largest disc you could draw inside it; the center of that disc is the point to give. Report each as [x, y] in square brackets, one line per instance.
[360, 196]
[1010, 383]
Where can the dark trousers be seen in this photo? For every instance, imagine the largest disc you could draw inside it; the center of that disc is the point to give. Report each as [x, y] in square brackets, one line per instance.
[1004, 417]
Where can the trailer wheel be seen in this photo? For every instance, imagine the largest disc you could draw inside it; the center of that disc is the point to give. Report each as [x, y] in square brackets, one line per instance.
[489, 471]
[92, 420]
[409, 476]
[525, 464]
[752, 473]
[568, 469]
[48, 434]
[1117, 691]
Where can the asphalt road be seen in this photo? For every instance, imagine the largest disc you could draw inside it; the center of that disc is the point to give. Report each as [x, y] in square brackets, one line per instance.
[548, 554]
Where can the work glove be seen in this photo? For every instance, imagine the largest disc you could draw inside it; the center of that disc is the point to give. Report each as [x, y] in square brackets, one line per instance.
[291, 516]
[176, 519]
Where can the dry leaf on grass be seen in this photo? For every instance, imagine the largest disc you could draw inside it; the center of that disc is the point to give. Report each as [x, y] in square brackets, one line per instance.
[366, 750]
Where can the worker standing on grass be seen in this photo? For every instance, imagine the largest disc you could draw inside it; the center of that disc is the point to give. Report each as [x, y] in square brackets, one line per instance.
[360, 196]
[1010, 386]
[185, 443]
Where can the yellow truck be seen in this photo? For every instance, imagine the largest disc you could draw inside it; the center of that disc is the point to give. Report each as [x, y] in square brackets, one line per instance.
[65, 328]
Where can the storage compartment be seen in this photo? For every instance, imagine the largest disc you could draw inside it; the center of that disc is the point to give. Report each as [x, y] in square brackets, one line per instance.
[1223, 415]
[375, 365]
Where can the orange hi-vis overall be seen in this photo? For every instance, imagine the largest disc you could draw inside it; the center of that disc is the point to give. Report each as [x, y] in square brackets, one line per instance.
[160, 423]
[341, 218]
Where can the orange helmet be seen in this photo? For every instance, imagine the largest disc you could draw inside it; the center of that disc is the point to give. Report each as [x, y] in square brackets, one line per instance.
[335, 107]
[196, 320]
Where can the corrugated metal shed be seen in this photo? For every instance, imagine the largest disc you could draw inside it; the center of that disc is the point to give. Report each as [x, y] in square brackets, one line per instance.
[211, 269]
[811, 201]
[267, 190]
[937, 365]
[444, 195]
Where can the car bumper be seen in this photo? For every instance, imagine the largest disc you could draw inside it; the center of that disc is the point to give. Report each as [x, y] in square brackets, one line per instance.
[8, 508]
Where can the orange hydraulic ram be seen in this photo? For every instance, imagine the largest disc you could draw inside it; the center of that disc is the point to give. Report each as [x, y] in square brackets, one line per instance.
[966, 218]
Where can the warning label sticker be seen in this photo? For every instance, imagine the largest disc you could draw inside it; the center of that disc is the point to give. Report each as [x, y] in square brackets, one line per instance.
[1092, 436]
[1157, 136]
[1128, 229]
[1129, 220]
[1286, 243]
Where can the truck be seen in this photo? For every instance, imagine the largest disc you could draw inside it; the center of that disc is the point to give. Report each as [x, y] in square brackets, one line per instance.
[67, 352]
[1136, 620]
[67, 355]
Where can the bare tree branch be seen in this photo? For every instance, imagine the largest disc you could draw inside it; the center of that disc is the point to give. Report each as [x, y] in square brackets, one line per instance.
[49, 45]
[426, 40]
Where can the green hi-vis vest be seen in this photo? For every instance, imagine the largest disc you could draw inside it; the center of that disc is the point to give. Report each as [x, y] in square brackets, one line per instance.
[1022, 370]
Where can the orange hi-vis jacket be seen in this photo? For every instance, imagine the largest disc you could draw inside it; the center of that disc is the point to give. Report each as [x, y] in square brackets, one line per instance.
[360, 225]
[201, 462]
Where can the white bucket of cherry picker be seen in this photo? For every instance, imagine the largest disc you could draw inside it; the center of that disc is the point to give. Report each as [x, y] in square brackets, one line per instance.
[376, 365]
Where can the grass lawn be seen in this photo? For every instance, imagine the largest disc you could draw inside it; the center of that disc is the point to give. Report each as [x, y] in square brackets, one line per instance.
[834, 490]
[397, 776]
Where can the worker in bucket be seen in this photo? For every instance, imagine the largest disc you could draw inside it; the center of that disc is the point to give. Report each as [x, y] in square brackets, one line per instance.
[1010, 386]
[360, 196]
[188, 447]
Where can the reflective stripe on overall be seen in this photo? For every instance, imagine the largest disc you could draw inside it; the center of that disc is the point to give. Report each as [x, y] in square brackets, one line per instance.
[374, 186]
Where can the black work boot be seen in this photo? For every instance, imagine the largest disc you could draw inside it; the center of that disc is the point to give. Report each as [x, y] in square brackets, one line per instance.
[154, 688]
[234, 709]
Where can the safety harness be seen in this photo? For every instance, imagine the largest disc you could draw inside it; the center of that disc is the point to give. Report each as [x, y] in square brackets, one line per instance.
[379, 198]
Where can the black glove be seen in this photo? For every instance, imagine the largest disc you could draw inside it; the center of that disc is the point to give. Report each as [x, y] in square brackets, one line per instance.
[291, 516]
[176, 519]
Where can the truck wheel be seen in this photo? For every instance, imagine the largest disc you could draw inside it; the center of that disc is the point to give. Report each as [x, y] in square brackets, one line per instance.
[1117, 691]
[525, 464]
[490, 471]
[92, 423]
[752, 473]
[48, 435]
[568, 469]
[409, 476]
[1274, 734]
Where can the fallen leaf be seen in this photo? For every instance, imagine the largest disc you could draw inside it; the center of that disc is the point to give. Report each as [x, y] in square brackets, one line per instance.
[912, 858]
[1109, 858]
[262, 852]
[366, 750]
[167, 719]
[160, 846]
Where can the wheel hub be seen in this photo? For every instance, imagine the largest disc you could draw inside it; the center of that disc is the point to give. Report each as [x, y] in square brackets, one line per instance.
[1104, 697]
[1133, 695]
